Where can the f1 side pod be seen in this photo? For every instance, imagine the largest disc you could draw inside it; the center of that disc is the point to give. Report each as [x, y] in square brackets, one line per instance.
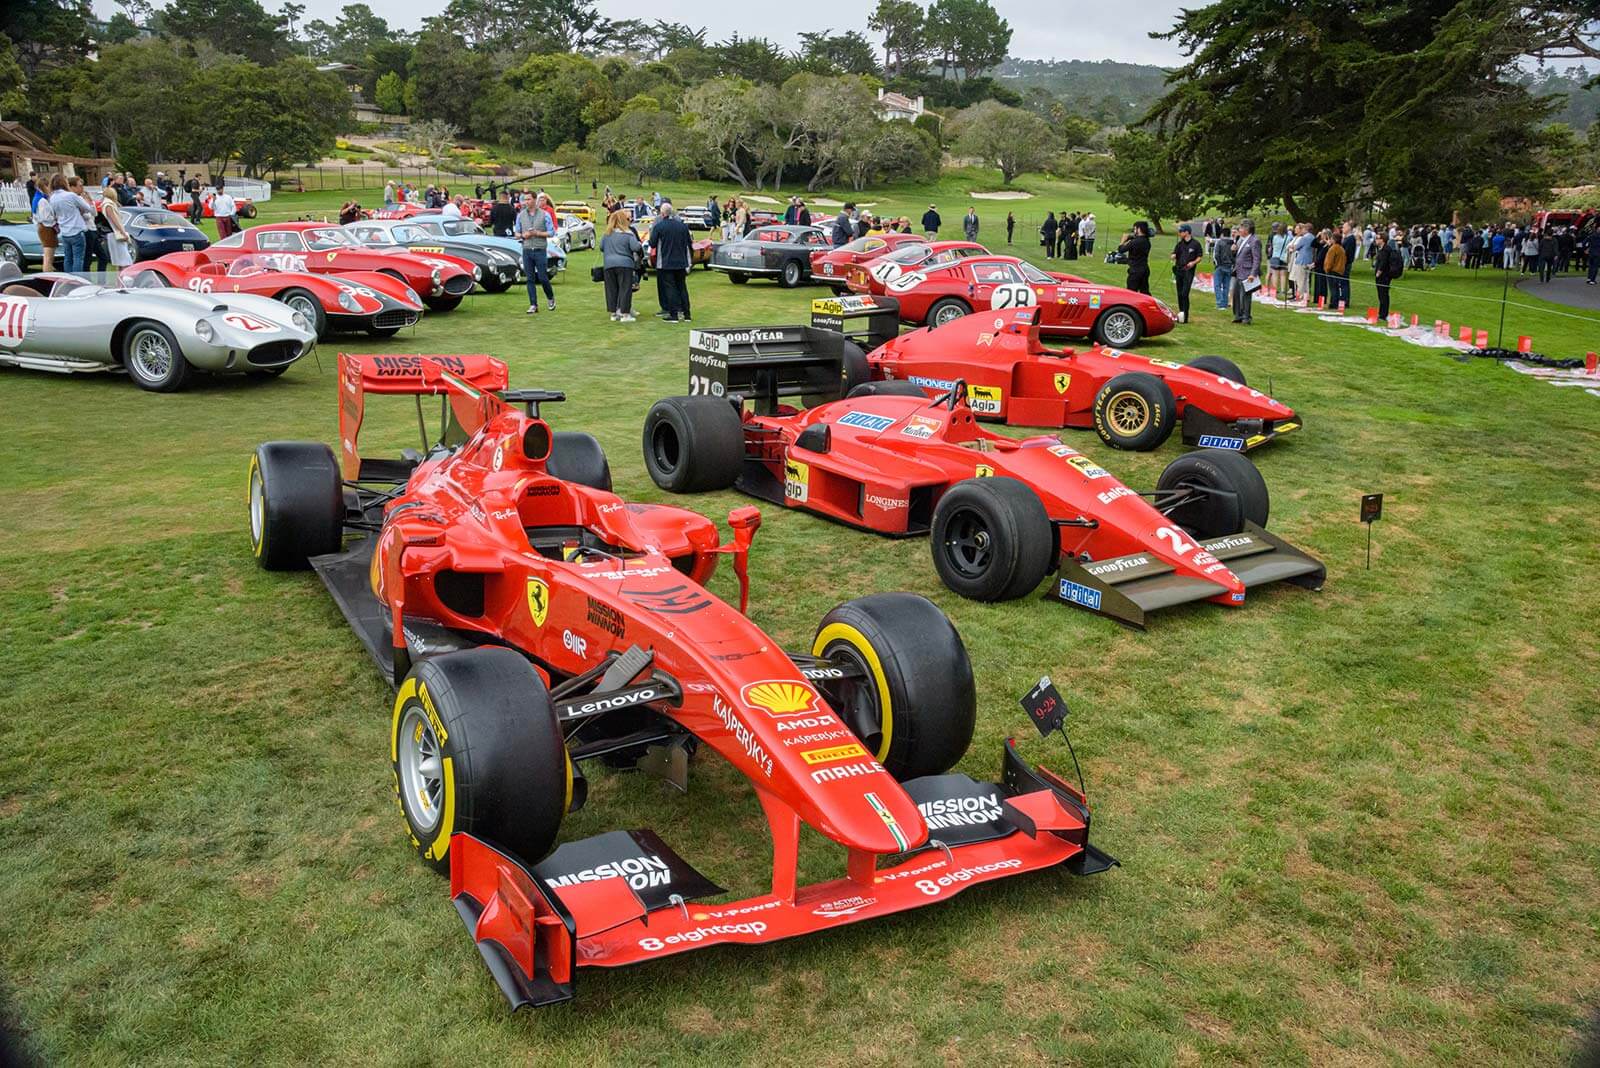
[1125, 588]
[625, 897]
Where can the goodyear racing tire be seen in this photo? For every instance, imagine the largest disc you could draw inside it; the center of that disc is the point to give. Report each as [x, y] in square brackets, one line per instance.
[578, 457]
[854, 365]
[992, 540]
[792, 274]
[153, 359]
[1240, 492]
[1219, 365]
[738, 279]
[475, 747]
[1118, 327]
[916, 705]
[442, 304]
[296, 501]
[893, 387]
[947, 310]
[693, 444]
[1134, 411]
[307, 304]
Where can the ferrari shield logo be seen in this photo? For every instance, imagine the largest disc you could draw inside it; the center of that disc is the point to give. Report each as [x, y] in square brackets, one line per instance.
[1062, 382]
[983, 471]
[538, 600]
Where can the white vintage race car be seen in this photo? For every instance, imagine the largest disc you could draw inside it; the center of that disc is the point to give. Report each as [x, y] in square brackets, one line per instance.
[573, 232]
[160, 337]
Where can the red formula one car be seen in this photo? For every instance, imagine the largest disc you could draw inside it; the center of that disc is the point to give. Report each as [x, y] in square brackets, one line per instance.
[1002, 513]
[323, 248]
[533, 622]
[354, 300]
[1131, 401]
[833, 265]
[1067, 304]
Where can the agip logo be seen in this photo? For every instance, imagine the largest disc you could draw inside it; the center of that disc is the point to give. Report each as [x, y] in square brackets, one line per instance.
[780, 698]
[538, 600]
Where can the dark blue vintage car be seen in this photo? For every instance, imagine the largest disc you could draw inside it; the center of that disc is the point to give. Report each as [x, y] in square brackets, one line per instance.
[781, 252]
[157, 231]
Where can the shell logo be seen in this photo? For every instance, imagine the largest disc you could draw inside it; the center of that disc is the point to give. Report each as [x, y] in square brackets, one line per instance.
[780, 697]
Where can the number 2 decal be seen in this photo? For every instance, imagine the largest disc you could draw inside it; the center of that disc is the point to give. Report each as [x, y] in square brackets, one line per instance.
[1180, 544]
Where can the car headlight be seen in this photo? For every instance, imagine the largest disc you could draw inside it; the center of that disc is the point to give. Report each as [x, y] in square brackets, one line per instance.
[299, 320]
[347, 301]
[411, 295]
[437, 274]
[477, 273]
[205, 331]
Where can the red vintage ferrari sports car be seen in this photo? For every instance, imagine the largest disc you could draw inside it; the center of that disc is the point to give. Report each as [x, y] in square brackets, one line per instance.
[873, 275]
[1002, 513]
[323, 248]
[1132, 401]
[833, 265]
[353, 300]
[1067, 304]
[534, 624]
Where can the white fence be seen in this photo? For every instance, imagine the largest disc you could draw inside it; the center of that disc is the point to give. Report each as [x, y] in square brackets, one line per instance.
[14, 195]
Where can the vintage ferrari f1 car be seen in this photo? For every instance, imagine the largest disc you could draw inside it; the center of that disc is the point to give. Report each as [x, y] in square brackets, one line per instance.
[1132, 401]
[160, 337]
[533, 622]
[1002, 513]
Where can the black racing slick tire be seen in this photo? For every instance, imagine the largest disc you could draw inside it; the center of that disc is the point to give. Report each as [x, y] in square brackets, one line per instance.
[475, 748]
[913, 703]
[1118, 327]
[578, 457]
[854, 366]
[1219, 365]
[1229, 491]
[296, 502]
[992, 539]
[947, 310]
[1134, 411]
[792, 274]
[889, 388]
[693, 444]
[153, 359]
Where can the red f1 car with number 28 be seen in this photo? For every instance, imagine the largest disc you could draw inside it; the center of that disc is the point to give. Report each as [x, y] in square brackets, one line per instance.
[533, 622]
[1002, 513]
[1132, 401]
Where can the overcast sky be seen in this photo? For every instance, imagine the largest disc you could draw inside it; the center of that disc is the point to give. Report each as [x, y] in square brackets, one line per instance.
[1041, 29]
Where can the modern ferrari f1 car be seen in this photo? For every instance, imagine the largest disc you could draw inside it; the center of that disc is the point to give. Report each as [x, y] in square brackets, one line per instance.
[1132, 401]
[1002, 513]
[533, 622]
[159, 337]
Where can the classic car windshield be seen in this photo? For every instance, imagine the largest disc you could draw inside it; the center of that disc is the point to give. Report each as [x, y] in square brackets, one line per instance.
[863, 244]
[76, 287]
[246, 266]
[159, 218]
[913, 252]
[322, 240]
[234, 241]
[371, 235]
[1036, 276]
[409, 233]
[457, 227]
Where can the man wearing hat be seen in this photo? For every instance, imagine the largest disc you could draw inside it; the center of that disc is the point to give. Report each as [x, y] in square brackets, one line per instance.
[930, 222]
[1186, 255]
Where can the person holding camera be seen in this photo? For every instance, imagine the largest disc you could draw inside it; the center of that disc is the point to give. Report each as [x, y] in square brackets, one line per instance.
[1137, 248]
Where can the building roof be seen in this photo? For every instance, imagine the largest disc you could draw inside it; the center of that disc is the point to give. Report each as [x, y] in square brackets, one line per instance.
[897, 102]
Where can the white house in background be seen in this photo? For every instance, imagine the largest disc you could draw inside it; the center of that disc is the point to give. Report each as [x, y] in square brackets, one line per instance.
[895, 106]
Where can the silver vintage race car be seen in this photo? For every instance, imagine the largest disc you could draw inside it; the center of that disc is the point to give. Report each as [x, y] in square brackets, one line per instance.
[160, 337]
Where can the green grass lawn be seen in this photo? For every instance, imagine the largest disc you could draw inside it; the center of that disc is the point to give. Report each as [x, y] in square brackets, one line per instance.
[1356, 827]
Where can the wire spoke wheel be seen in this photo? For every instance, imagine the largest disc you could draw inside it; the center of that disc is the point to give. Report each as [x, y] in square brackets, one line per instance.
[152, 355]
[421, 769]
[1119, 328]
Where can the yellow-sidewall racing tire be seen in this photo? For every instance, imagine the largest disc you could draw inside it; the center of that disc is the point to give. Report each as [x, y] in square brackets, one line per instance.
[295, 500]
[916, 707]
[475, 748]
[1134, 411]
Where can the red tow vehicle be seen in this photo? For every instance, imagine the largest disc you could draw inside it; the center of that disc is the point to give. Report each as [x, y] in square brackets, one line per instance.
[1131, 401]
[1002, 513]
[352, 300]
[533, 622]
[441, 280]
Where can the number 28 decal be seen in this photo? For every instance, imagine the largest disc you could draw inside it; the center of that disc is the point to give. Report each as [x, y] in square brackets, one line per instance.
[1012, 295]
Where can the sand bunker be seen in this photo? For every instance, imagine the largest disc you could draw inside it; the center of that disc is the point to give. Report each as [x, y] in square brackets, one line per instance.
[1004, 194]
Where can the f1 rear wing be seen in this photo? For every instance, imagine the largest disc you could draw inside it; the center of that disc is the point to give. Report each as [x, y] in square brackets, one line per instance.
[766, 363]
[867, 320]
[469, 384]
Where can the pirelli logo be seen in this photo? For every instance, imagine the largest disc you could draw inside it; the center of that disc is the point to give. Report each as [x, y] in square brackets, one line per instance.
[833, 753]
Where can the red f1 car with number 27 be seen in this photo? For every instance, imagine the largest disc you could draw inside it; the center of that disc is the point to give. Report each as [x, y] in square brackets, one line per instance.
[1132, 401]
[533, 622]
[1002, 513]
